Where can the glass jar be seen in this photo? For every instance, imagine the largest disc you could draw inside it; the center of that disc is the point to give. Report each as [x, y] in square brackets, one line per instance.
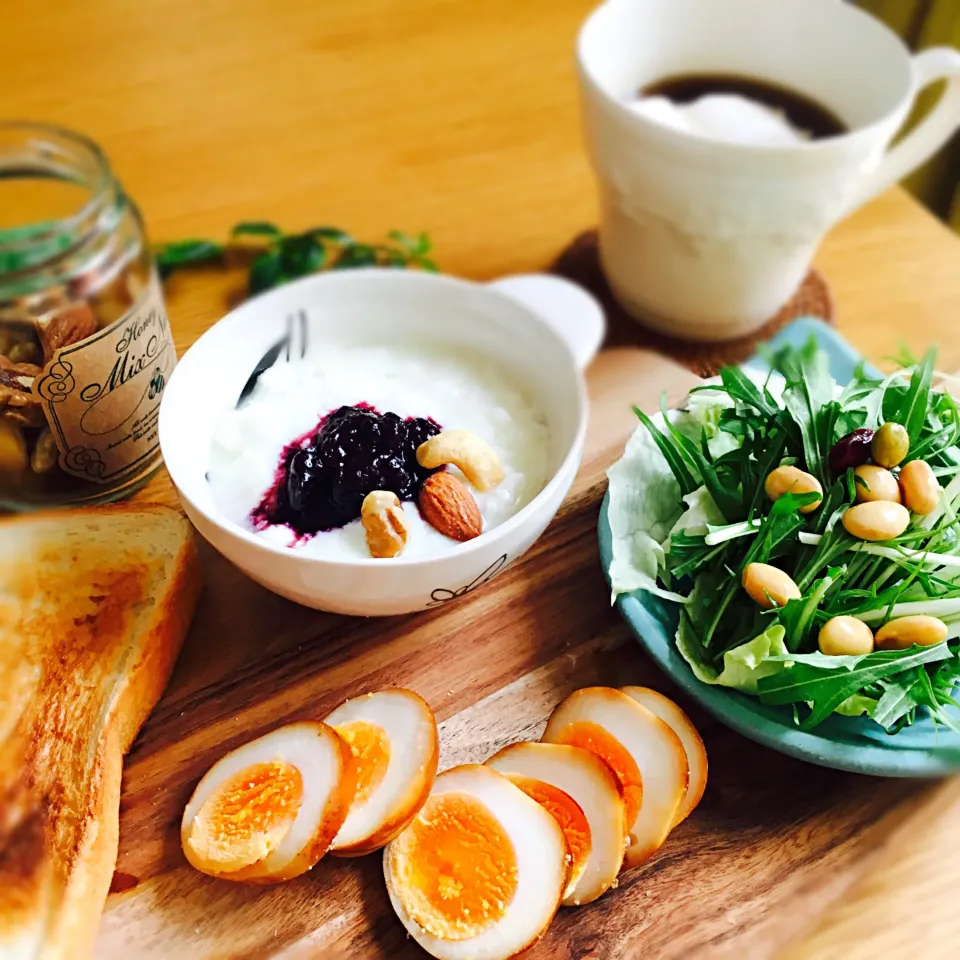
[85, 345]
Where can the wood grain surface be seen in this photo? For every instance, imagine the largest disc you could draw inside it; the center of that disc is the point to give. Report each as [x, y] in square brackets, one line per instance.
[460, 118]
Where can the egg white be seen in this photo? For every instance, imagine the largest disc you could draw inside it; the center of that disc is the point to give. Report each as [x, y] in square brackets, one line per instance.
[411, 731]
[591, 784]
[683, 727]
[321, 756]
[540, 850]
[655, 748]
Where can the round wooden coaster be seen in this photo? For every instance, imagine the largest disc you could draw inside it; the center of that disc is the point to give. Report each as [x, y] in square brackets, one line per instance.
[580, 262]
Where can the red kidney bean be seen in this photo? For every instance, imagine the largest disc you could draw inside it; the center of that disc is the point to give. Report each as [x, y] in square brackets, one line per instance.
[851, 450]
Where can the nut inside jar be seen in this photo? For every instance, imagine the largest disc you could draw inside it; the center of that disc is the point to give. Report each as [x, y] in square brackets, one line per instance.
[32, 329]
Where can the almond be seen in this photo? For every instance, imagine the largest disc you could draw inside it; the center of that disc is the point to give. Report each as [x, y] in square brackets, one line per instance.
[71, 325]
[448, 506]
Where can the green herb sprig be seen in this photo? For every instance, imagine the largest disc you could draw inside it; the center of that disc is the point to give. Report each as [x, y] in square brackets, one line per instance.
[276, 257]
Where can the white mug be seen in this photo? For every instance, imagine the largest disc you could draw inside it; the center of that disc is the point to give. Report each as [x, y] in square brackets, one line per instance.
[705, 239]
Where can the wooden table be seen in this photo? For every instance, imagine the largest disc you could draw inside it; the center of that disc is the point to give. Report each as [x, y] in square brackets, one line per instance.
[459, 118]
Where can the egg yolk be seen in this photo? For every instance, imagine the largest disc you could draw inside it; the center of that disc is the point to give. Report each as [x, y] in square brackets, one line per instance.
[246, 818]
[371, 751]
[455, 866]
[593, 737]
[568, 814]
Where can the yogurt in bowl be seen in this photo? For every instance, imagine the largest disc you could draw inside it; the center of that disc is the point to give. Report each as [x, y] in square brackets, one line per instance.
[503, 361]
[426, 387]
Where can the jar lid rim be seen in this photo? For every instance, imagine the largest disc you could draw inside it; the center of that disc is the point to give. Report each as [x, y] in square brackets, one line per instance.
[53, 150]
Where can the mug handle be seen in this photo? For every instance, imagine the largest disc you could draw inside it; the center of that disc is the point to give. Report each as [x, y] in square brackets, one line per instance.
[572, 312]
[937, 63]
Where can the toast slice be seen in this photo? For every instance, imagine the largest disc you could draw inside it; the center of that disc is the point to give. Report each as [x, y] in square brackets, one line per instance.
[94, 606]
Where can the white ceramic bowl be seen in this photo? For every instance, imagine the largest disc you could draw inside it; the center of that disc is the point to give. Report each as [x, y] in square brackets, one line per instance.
[542, 329]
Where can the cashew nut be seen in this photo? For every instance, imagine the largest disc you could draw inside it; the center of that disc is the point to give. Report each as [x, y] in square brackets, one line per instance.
[384, 522]
[474, 457]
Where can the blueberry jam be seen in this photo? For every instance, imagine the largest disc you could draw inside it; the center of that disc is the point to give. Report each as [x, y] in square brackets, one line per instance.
[324, 476]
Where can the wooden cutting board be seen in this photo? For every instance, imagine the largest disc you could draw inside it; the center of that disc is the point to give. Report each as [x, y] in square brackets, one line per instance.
[773, 844]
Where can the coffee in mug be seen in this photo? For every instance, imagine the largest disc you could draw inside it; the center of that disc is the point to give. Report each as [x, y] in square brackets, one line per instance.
[793, 115]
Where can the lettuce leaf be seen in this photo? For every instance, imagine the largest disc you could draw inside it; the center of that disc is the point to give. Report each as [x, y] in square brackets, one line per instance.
[857, 705]
[645, 500]
[743, 666]
[644, 505]
[701, 513]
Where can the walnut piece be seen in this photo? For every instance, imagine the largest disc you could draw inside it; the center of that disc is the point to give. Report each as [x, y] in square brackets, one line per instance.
[21, 369]
[385, 525]
[18, 404]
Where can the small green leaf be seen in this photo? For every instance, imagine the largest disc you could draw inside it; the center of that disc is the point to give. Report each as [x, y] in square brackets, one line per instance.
[186, 253]
[684, 477]
[330, 233]
[897, 701]
[256, 228]
[356, 255]
[265, 272]
[918, 396]
[286, 257]
[824, 688]
[903, 357]
[300, 255]
[388, 256]
[404, 239]
[808, 397]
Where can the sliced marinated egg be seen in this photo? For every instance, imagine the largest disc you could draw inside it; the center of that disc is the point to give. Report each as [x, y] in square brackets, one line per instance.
[393, 736]
[583, 795]
[646, 755]
[479, 873]
[689, 736]
[269, 810]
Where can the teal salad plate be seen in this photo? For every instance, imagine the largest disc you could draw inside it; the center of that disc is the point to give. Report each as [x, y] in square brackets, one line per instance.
[855, 744]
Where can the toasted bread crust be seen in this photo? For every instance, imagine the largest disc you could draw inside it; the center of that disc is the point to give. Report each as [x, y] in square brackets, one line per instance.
[110, 621]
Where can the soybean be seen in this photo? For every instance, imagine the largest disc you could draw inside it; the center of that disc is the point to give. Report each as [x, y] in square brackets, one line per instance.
[845, 637]
[793, 480]
[769, 586]
[890, 444]
[879, 520]
[906, 631]
[921, 491]
[878, 484]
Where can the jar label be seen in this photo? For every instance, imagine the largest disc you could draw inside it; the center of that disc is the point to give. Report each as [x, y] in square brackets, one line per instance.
[102, 395]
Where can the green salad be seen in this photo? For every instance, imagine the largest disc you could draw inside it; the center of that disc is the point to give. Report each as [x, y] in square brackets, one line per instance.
[809, 534]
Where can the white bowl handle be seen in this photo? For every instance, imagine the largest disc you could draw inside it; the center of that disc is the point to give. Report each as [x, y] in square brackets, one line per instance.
[566, 307]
